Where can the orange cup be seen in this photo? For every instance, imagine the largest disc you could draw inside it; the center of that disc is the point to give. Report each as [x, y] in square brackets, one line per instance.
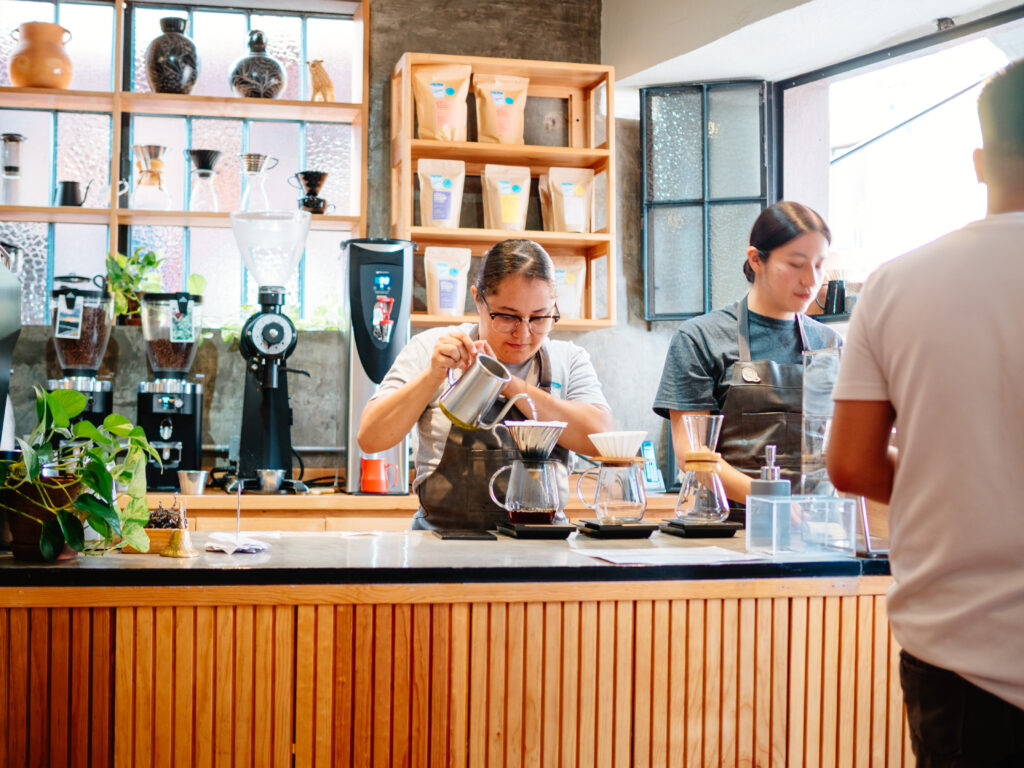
[373, 476]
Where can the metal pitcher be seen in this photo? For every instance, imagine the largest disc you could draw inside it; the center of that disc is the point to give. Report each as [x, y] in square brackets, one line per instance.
[470, 397]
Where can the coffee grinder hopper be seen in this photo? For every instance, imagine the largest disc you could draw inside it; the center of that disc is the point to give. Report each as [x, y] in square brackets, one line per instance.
[271, 243]
[535, 439]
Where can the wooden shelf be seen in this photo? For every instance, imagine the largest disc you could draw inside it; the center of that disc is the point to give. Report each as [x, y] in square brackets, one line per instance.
[220, 219]
[56, 98]
[213, 106]
[588, 91]
[477, 154]
[55, 214]
[423, 320]
[479, 240]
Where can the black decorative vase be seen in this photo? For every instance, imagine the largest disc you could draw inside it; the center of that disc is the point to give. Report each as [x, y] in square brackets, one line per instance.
[258, 75]
[172, 65]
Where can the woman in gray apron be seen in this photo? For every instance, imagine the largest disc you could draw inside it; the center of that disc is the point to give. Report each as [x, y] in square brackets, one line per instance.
[515, 298]
[744, 360]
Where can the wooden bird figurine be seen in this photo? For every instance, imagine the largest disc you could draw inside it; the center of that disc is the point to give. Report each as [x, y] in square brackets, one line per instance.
[323, 88]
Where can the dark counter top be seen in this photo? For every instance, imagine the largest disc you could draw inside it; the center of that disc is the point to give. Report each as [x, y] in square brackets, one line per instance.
[416, 557]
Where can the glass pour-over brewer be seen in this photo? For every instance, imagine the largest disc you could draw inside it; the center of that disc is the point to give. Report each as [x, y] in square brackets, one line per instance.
[271, 243]
[83, 313]
[532, 493]
[171, 408]
[702, 497]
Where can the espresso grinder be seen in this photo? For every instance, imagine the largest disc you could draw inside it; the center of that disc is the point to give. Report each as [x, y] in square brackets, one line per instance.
[271, 243]
[83, 313]
[171, 408]
[380, 299]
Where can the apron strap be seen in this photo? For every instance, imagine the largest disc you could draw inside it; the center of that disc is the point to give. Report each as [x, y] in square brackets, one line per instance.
[744, 330]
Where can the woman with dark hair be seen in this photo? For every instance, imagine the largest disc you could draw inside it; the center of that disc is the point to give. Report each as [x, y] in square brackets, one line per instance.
[744, 360]
[515, 298]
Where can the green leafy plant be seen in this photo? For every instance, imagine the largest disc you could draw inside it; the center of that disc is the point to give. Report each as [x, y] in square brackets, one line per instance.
[128, 276]
[81, 481]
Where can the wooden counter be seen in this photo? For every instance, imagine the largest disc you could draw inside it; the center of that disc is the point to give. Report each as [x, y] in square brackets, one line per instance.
[401, 649]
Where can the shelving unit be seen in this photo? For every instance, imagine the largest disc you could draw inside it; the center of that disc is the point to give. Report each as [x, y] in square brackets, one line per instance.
[588, 90]
[121, 105]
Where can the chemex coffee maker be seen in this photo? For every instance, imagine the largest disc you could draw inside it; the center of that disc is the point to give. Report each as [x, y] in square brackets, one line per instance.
[83, 313]
[380, 299]
[271, 243]
[171, 408]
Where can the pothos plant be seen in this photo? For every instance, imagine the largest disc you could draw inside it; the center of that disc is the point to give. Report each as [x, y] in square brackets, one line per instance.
[106, 464]
[128, 276]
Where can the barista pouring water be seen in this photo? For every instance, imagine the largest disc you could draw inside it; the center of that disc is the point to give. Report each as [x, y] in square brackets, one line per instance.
[515, 299]
[744, 360]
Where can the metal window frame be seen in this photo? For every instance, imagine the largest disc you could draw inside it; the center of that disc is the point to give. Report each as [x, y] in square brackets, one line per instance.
[705, 201]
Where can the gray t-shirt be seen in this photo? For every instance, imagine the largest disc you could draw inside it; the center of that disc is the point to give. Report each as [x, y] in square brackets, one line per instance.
[572, 378]
[701, 355]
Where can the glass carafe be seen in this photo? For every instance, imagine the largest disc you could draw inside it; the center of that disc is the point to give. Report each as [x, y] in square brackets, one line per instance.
[702, 497]
[254, 170]
[171, 326]
[532, 495]
[149, 192]
[620, 496]
[821, 367]
[203, 196]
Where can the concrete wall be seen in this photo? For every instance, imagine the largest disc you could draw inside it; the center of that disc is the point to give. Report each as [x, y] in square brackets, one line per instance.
[628, 357]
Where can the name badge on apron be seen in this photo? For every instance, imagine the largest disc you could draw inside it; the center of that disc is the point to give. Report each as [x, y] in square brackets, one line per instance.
[749, 374]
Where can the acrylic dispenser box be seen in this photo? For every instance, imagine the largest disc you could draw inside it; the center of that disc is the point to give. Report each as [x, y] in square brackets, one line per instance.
[801, 525]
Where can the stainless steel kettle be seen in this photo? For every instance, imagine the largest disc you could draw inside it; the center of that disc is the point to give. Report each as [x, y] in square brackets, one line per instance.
[469, 397]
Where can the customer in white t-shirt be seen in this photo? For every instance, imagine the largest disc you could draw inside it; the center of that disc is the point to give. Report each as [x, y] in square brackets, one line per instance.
[936, 348]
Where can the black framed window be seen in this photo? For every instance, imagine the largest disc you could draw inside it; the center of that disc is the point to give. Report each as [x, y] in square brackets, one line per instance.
[707, 174]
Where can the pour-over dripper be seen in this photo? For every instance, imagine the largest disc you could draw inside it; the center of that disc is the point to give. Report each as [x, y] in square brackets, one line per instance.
[271, 243]
[702, 497]
[149, 192]
[145, 154]
[535, 439]
[204, 159]
[254, 168]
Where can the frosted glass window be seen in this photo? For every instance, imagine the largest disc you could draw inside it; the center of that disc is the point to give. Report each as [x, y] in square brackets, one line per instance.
[13, 13]
[338, 43]
[279, 140]
[676, 241]
[83, 154]
[36, 153]
[80, 249]
[734, 135]
[674, 146]
[168, 132]
[329, 148]
[32, 238]
[284, 43]
[168, 242]
[91, 47]
[214, 255]
[220, 38]
[730, 235]
[326, 285]
[226, 136]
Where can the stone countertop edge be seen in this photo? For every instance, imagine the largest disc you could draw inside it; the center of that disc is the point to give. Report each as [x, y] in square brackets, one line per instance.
[387, 558]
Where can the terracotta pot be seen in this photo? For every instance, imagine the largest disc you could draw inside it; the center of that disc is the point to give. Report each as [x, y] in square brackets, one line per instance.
[39, 60]
[25, 532]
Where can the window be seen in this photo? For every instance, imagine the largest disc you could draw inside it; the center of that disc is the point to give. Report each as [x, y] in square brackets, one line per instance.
[706, 177]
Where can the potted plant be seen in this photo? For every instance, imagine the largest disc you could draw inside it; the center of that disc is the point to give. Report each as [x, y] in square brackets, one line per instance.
[70, 475]
[162, 523]
[127, 277]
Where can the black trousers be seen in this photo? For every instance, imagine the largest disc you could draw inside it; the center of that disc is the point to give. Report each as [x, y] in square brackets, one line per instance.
[956, 724]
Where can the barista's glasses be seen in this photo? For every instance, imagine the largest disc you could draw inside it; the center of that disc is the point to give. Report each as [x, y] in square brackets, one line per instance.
[506, 323]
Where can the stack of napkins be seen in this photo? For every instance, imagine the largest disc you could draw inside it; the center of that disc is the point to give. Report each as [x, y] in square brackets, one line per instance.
[221, 541]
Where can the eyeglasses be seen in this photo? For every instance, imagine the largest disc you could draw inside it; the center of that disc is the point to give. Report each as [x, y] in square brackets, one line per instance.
[505, 323]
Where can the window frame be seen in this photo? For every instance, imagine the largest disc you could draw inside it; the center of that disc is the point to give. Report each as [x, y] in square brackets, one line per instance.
[767, 144]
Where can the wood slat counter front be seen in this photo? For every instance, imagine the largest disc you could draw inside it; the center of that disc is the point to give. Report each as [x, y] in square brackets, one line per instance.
[397, 648]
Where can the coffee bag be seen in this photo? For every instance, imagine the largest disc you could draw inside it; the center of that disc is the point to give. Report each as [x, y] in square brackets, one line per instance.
[506, 196]
[572, 191]
[500, 108]
[447, 269]
[440, 91]
[570, 284]
[441, 183]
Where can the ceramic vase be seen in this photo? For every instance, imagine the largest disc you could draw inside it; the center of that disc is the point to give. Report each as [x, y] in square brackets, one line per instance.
[39, 60]
[258, 75]
[172, 65]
